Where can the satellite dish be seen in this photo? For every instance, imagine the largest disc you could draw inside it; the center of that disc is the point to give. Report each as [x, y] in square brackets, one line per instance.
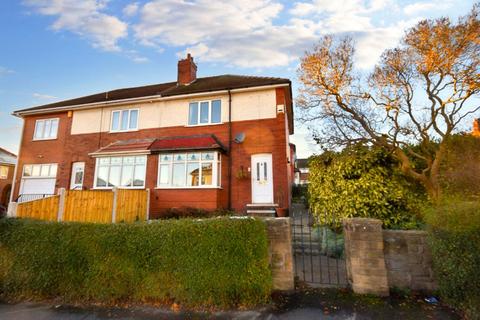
[240, 137]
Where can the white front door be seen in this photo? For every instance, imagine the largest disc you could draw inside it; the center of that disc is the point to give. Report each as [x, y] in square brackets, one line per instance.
[262, 178]
[76, 181]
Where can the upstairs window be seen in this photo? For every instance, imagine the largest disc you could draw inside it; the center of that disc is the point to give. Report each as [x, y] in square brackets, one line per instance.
[46, 129]
[124, 120]
[205, 112]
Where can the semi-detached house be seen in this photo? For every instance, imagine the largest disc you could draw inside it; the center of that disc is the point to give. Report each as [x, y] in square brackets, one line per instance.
[212, 142]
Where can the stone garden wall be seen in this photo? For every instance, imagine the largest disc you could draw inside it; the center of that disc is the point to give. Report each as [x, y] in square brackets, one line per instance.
[379, 259]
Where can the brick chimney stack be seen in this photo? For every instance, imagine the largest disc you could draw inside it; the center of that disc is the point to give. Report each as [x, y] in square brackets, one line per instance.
[476, 128]
[187, 71]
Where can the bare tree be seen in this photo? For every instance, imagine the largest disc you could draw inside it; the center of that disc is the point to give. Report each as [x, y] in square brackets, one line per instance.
[419, 93]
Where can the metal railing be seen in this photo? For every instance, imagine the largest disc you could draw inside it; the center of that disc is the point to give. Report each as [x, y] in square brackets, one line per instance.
[29, 197]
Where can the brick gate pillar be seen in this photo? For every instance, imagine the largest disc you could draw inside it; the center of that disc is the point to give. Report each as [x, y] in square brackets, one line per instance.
[365, 260]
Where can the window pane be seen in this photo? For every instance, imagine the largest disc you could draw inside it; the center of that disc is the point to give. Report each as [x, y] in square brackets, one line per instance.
[36, 170]
[216, 111]
[54, 128]
[124, 122]
[128, 160]
[102, 176]
[53, 170]
[164, 174]
[165, 157]
[44, 170]
[127, 176]
[193, 174]
[178, 179]
[114, 176]
[207, 156]
[116, 120]
[204, 112]
[116, 160]
[78, 178]
[180, 157]
[193, 113]
[193, 156]
[27, 171]
[133, 119]
[140, 159]
[104, 161]
[207, 173]
[139, 178]
[48, 126]
[39, 129]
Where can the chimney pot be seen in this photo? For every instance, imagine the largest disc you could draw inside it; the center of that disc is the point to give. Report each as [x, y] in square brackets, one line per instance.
[187, 71]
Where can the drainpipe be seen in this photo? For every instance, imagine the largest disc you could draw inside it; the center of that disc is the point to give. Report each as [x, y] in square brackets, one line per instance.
[230, 154]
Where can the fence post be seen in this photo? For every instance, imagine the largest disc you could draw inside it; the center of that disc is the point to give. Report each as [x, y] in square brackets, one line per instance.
[114, 206]
[12, 209]
[61, 204]
[148, 204]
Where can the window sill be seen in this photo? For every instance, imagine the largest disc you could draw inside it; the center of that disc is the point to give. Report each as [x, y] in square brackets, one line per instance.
[44, 139]
[110, 188]
[123, 131]
[203, 125]
[188, 188]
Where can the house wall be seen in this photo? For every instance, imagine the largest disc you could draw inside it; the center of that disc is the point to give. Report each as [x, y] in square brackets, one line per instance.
[5, 184]
[174, 113]
[266, 133]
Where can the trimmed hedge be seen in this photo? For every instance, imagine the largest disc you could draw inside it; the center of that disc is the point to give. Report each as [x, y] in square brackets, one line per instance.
[455, 242]
[196, 263]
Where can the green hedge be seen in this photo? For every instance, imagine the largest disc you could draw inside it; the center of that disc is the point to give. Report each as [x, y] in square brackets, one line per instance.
[196, 263]
[455, 243]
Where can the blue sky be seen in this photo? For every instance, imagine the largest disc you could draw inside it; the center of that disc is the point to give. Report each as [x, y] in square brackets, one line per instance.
[58, 49]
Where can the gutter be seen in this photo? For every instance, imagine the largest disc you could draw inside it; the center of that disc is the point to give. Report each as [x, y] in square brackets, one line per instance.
[150, 99]
[230, 153]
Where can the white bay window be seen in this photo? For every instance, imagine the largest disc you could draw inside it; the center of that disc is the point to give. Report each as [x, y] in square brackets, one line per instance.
[189, 170]
[123, 172]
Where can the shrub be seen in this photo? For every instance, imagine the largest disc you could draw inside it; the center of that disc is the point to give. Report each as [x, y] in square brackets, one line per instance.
[195, 263]
[362, 182]
[190, 212]
[455, 242]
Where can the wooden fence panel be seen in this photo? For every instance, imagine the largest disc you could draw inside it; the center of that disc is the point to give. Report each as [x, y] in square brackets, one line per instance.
[131, 205]
[88, 206]
[43, 209]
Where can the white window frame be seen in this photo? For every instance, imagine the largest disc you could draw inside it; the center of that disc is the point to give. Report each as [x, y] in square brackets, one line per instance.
[120, 120]
[216, 170]
[121, 170]
[50, 176]
[35, 138]
[209, 123]
[4, 175]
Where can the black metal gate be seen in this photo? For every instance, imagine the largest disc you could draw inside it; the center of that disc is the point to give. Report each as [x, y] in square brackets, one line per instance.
[319, 255]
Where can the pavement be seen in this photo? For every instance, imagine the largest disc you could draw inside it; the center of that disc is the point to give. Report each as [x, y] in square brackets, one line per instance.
[316, 304]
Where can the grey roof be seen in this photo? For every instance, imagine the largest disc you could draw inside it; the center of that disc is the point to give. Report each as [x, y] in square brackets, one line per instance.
[302, 163]
[7, 157]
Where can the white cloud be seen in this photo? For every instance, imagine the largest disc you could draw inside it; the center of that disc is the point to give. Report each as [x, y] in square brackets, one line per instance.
[418, 7]
[42, 96]
[131, 9]
[262, 33]
[84, 18]
[5, 71]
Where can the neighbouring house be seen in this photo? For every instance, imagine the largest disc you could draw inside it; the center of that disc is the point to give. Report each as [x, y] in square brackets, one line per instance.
[7, 169]
[209, 143]
[301, 172]
[476, 128]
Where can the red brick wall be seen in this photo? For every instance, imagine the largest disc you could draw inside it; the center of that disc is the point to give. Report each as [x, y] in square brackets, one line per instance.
[262, 136]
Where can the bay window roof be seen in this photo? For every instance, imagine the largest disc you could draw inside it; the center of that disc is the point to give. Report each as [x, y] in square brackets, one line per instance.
[161, 144]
